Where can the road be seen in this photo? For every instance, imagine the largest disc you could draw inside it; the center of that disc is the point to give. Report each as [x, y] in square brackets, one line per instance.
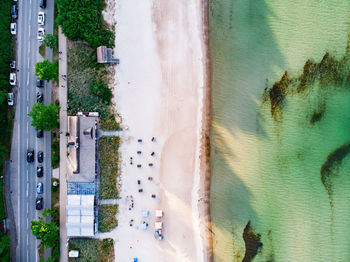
[24, 135]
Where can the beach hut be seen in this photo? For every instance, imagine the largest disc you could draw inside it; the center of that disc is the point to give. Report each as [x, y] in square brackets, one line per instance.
[158, 225]
[159, 213]
[143, 225]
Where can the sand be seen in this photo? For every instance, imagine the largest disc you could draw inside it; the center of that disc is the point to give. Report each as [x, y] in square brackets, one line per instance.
[158, 92]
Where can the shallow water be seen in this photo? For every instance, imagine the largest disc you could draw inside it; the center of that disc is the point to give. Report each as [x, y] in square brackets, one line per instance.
[280, 158]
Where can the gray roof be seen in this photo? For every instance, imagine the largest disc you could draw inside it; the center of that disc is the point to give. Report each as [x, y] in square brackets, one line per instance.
[81, 159]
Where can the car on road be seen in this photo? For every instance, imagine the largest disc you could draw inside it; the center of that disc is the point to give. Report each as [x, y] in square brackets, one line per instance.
[41, 33]
[39, 188]
[40, 133]
[43, 4]
[39, 171]
[30, 155]
[39, 203]
[13, 28]
[39, 83]
[13, 79]
[39, 97]
[40, 156]
[13, 64]
[14, 11]
[10, 99]
[41, 18]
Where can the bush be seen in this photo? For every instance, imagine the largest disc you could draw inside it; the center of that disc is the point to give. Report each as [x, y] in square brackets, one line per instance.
[107, 217]
[92, 249]
[108, 150]
[44, 117]
[83, 20]
[102, 91]
[50, 40]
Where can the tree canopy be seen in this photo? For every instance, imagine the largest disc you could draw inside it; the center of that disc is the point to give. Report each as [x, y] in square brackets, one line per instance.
[4, 248]
[46, 70]
[50, 40]
[44, 117]
[46, 232]
[83, 20]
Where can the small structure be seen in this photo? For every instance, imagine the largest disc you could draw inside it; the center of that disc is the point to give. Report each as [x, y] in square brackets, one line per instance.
[145, 213]
[73, 253]
[159, 213]
[105, 55]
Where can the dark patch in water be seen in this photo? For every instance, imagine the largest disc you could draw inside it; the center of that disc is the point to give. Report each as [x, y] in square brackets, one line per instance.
[277, 94]
[317, 115]
[330, 168]
[252, 243]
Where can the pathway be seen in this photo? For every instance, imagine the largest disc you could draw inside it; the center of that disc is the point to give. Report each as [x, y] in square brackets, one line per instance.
[108, 202]
[62, 91]
[109, 133]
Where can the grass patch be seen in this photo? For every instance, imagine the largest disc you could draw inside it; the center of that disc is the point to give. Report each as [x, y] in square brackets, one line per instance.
[92, 249]
[42, 50]
[108, 122]
[108, 154]
[55, 201]
[83, 73]
[2, 200]
[41, 250]
[107, 217]
[55, 148]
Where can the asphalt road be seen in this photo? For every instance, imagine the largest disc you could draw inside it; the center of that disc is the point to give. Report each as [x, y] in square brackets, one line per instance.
[24, 135]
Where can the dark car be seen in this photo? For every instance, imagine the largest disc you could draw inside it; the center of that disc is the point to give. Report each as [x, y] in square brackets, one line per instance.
[14, 12]
[39, 203]
[43, 4]
[39, 83]
[39, 171]
[40, 156]
[39, 97]
[40, 133]
[39, 188]
[30, 155]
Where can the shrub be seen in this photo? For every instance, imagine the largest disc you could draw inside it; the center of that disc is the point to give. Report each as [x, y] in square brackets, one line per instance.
[102, 91]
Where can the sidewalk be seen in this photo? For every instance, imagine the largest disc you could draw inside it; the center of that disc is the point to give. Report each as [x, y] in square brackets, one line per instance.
[62, 87]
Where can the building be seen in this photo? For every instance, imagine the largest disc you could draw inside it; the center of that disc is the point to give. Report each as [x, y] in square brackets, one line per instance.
[81, 218]
[105, 55]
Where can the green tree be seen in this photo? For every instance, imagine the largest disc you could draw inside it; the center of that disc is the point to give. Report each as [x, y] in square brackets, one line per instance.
[44, 117]
[50, 40]
[46, 232]
[4, 248]
[49, 259]
[47, 70]
[3, 96]
[102, 91]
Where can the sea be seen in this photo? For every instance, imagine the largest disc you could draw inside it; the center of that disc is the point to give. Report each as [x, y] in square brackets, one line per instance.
[280, 133]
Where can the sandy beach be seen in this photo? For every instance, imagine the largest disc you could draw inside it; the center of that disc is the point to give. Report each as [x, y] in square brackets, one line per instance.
[159, 91]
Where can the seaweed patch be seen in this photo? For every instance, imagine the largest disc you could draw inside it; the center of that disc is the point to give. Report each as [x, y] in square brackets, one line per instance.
[252, 243]
[330, 168]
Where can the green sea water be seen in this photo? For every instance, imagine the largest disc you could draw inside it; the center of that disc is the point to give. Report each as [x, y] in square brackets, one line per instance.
[280, 188]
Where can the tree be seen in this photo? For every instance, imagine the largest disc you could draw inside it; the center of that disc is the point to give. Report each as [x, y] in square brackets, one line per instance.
[47, 70]
[46, 232]
[4, 248]
[50, 40]
[44, 117]
[102, 91]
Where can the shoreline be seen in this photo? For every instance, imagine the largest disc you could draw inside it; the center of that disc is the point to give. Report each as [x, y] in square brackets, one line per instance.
[204, 150]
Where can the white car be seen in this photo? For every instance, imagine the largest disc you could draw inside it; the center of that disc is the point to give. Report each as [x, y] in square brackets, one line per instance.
[13, 28]
[41, 18]
[41, 33]
[13, 79]
[11, 99]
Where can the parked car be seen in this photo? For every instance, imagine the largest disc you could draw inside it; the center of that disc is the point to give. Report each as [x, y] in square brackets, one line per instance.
[39, 83]
[40, 133]
[40, 156]
[41, 18]
[43, 4]
[39, 188]
[13, 79]
[39, 97]
[14, 11]
[41, 33]
[39, 203]
[11, 99]
[39, 171]
[30, 155]
[13, 28]
[13, 64]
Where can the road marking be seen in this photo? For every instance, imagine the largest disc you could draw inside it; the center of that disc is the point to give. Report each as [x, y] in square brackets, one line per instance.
[27, 191]
[19, 191]
[28, 70]
[27, 144]
[28, 75]
[27, 125]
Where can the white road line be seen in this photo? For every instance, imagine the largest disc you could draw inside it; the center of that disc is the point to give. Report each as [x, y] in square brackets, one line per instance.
[18, 186]
[27, 127]
[28, 69]
[28, 75]
[27, 191]
[27, 100]
[27, 144]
